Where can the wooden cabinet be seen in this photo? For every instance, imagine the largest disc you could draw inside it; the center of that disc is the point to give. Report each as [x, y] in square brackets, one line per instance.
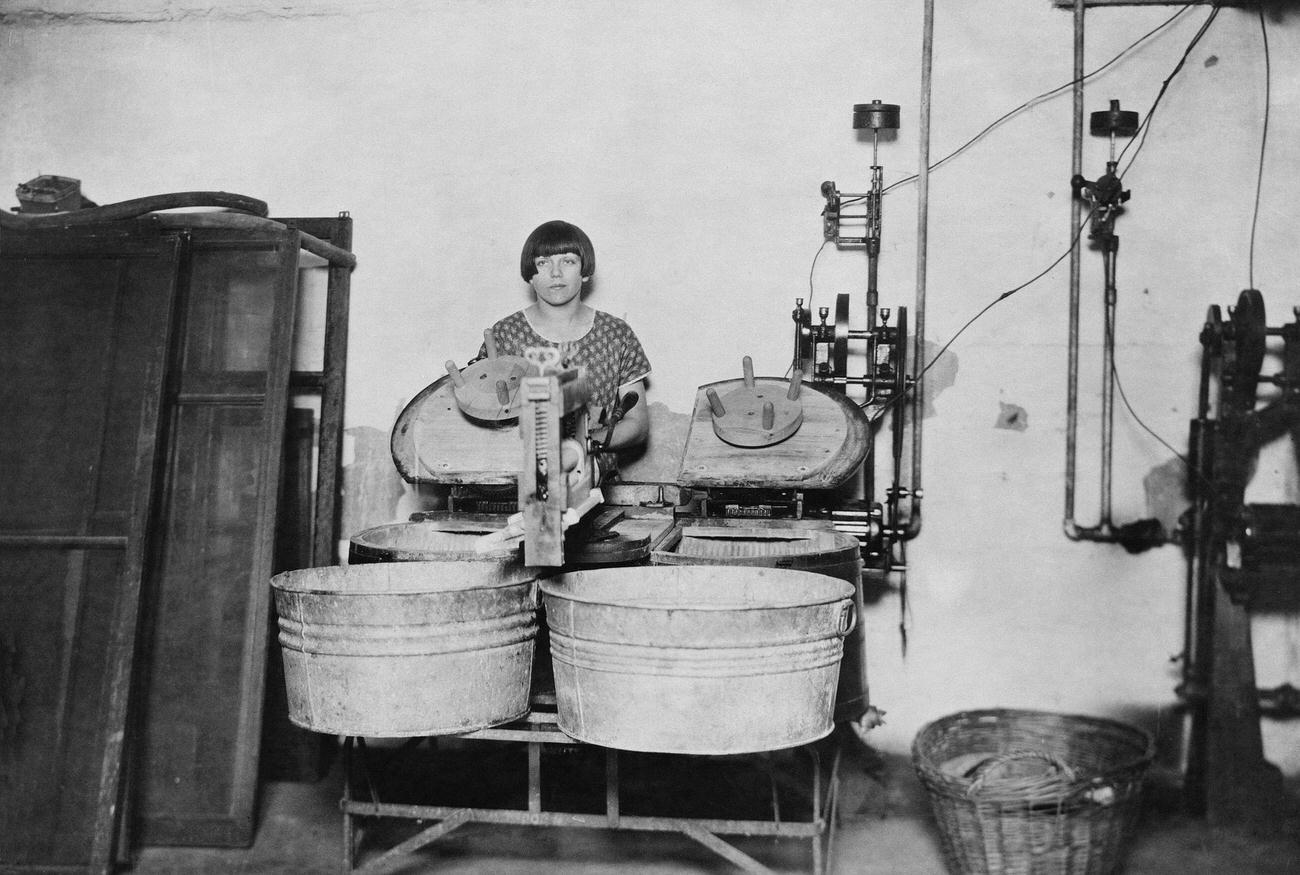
[148, 384]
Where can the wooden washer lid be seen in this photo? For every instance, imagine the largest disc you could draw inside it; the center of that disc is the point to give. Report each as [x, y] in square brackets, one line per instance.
[433, 441]
[829, 444]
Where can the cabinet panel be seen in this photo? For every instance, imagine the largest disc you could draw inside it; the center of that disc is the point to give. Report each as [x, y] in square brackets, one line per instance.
[209, 588]
[83, 349]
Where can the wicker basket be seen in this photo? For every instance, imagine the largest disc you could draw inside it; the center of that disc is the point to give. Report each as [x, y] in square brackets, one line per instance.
[1032, 792]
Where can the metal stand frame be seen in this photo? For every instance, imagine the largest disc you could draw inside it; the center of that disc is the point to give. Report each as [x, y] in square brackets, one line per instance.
[538, 728]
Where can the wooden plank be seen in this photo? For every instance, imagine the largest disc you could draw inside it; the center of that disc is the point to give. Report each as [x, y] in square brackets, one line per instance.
[337, 232]
[83, 349]
[209, 590]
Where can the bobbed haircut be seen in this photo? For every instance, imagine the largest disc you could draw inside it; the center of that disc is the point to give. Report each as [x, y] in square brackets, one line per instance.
[554, 238]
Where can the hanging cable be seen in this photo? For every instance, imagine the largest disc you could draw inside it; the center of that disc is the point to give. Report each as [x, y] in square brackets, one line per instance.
[989, 306]
[1254, 219]
[1263, 145]
[1033, 101]
[1079, 231]
[1145, 127]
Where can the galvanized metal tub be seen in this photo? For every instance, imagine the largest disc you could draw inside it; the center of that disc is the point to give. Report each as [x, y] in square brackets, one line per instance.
[449, 538]
[696, 659]
[429, 540]
[407, 648]
[784, 544]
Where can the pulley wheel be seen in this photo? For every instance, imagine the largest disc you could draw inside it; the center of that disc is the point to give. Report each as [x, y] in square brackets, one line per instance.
[1212, 331]
[900, 381]
[1121, 123]
[840, 349]
[875, 116]
[1249, 333]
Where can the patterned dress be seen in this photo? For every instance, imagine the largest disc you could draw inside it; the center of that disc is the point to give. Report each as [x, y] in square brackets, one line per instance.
[610, 351]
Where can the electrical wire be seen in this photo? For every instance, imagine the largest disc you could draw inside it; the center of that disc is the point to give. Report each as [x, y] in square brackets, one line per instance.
[1254, 219]
[1002, 297]
[1119, 386]
[1028, 103]
[812, 268]
[1140, 139]
[790, 370]
[1263, 145]
[1145, 127]
[1041, 97]
[989, 306]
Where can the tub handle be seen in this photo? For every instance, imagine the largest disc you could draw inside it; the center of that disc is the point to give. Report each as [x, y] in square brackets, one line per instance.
[848, 620]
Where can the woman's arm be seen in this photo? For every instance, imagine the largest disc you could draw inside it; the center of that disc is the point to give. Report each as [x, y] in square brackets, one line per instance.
[634, 427]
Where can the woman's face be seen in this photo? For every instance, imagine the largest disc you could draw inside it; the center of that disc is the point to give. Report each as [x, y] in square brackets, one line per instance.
[558, 279]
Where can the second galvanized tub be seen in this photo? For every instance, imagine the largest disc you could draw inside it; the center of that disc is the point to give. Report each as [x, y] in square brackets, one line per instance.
[426, 540]
[784, 544]
[694, 659]
[407, 648]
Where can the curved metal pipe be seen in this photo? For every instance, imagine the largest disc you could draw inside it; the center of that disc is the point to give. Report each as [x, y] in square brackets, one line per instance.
[133, 208]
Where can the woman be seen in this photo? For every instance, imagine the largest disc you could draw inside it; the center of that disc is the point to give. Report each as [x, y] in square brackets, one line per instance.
[558, 261]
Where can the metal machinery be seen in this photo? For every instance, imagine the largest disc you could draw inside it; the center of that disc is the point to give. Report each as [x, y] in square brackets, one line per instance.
[767, 460]
[1242, 557]
[559, 478]
[508, 436]
[882, 522]
[1106, 197]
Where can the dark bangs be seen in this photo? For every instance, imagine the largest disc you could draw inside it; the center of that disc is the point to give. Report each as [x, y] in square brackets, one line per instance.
[555, 238]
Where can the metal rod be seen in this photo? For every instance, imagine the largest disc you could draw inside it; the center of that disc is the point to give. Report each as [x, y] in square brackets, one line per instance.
[722, 849]
[415, 842]
[520, 817]
[349, 840]
[913, 524]
[611, 788]
[1076, 215]
[534, 777]
[1108, 386]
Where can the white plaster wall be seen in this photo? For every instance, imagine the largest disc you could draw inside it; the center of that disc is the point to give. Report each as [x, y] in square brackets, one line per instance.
[690, 140]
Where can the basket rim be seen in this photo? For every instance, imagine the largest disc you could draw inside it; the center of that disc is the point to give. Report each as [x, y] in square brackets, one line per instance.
[932, 775]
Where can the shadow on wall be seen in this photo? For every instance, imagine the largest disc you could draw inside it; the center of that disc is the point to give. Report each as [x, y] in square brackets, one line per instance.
[372, 487]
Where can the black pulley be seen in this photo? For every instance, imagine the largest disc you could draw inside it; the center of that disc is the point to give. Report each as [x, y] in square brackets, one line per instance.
[840, 348]
[1249, 335]
[1120, 122]
[875, 116]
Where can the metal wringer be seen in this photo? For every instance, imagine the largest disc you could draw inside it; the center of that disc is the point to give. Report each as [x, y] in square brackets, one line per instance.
[821, 351]
[508, 437]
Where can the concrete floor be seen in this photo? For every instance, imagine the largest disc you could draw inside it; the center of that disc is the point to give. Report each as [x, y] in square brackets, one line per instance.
[884, 829]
